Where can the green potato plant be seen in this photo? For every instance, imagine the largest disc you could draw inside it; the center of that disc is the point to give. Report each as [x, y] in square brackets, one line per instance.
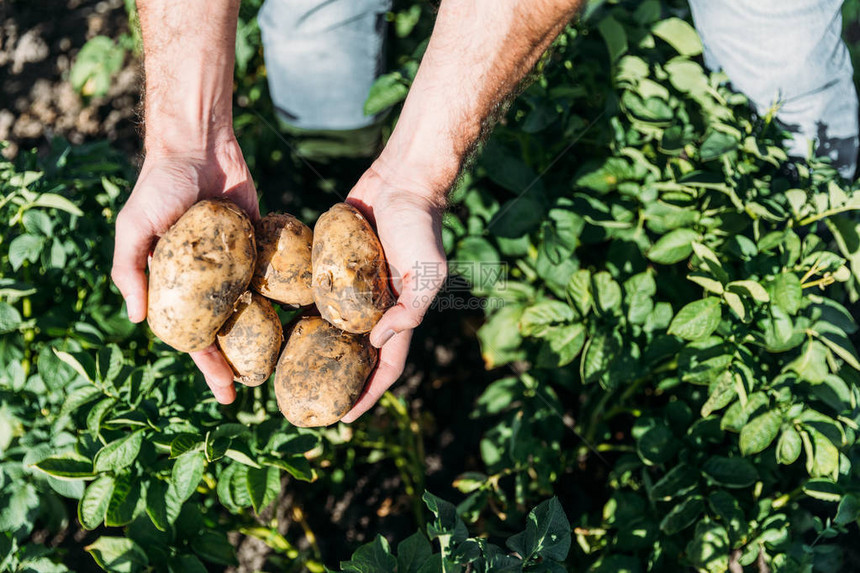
[669, 322]
[675, 313]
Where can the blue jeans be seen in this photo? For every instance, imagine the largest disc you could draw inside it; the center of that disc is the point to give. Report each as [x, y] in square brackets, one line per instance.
[789, 53]
[323, 55]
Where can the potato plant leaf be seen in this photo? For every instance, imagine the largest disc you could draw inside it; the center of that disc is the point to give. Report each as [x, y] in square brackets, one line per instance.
[697, 320]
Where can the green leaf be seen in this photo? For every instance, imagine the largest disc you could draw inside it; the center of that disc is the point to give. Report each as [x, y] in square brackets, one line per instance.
[579, 289]
[119, 454]
[110, 363]
[214, 547]
[680, 480]
[547, 534]
[811, 365]
[10, 318]
[683, 515]
[597, 356]
[54, 201]
[156, 507]
[727, 509]
[606, 292]
[186, 474]
[94, 66]
[20, 508]
[123, 502]
[678, 34]
[759, 432]
[565, 343]
[239, 486]
[788, 447]
[614, 35]
[81, 363]
[536, 319]
[697, 320]
[730, 472]
[826, 458]
[786, 292]
[823, 489]
[263, 487]
[94, 503]
[736, 303]
[413, 552]
[66, 467]
[717, 144]
[673, 247]
[749, 288]
[657, 445]
[848, 510]
[721, 394]
[706, 282]
[185, 442]
[185, 564]
[118, 554]
[387, 91]
[839, 343]
[710, 547]
[373, 557]
[25, 248]
[242, 457]
[447, 523]
[297, 466]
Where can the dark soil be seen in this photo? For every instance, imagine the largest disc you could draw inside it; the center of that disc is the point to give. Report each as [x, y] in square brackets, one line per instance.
[38, 43]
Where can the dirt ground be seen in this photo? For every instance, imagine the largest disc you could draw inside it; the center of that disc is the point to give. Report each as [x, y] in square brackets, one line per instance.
[38, 42]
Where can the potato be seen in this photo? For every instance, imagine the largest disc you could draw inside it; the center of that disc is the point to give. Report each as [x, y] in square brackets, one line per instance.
[251, 339]
[283, 270]
[198, 270]
[350, 275]
[321, 372]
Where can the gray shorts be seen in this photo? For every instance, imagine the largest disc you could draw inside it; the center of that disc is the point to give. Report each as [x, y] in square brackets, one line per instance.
[788, 53]
[322, 56]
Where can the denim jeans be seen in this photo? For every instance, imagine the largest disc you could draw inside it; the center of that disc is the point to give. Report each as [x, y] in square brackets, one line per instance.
[321, 57]
[790, 53]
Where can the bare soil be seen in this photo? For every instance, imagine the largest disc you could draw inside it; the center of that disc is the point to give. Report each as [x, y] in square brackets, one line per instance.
[38, 43]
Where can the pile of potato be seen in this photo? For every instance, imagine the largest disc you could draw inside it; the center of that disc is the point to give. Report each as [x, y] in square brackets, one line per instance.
[199, 280]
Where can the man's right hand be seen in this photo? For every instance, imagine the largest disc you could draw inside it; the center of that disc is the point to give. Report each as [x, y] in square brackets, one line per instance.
[168, 185]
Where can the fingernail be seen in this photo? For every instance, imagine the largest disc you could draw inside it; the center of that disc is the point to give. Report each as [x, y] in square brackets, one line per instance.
[134, 308]
[383, 338]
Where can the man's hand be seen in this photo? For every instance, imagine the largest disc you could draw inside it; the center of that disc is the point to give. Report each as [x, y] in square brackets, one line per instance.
[479, 51]
[409, 224]
[191, 152]
[168, 185]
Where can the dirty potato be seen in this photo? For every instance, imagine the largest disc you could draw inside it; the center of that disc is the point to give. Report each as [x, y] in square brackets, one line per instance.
[198, 270]
[350, 275]
[321, 372]
[251, 339]
[283, 270]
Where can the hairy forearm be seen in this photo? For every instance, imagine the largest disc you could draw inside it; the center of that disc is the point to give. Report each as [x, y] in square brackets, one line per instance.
[189, 51]
[479, 52]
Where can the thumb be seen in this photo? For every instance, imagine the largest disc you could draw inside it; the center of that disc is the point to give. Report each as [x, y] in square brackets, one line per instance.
[417, 293]
[133, 241]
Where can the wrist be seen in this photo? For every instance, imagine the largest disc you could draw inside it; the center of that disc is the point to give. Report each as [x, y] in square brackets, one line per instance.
[421, 160]
[187, 124]
[166, 136]
[397, 169]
